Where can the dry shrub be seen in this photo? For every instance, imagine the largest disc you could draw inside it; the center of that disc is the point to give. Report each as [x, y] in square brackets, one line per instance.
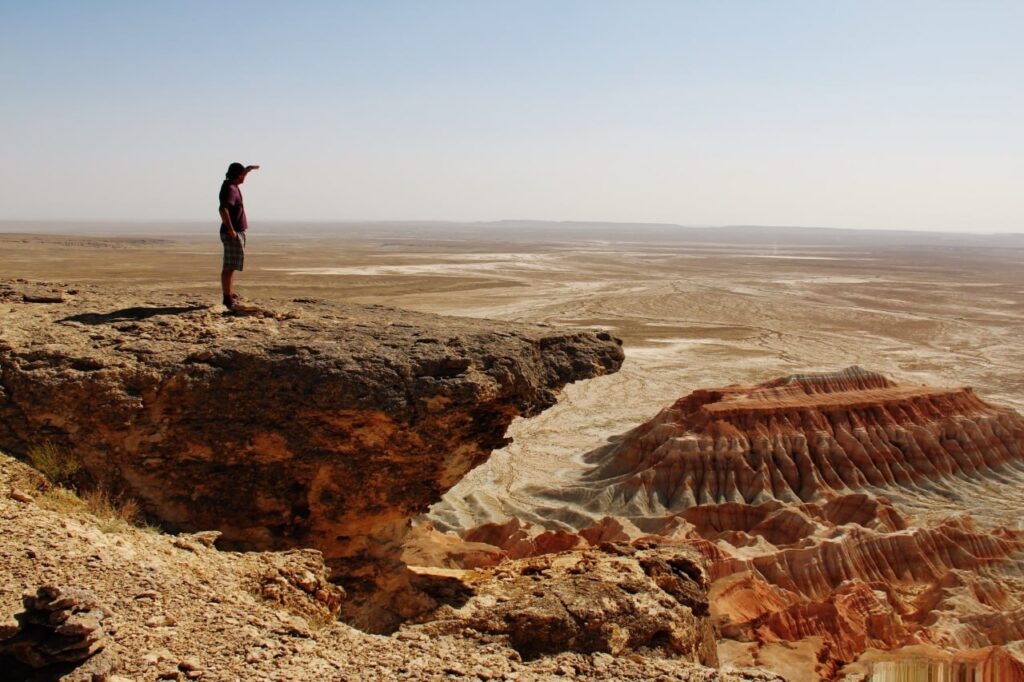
[54, 462]
[61, 500]
[114, 513]
[319, 620]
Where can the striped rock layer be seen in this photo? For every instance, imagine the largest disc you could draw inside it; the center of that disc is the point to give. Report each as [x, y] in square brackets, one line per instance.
[844, 519]
[803, 438]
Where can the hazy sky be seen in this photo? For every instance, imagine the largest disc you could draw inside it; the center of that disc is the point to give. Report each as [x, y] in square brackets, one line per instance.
[866, 113]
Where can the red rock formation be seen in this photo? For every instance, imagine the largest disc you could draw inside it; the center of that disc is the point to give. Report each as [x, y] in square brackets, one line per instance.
[425, 546]
[921, 555]
[851, 589]
[520, 540]
[800, 439]
[787, 488]
[777, 485]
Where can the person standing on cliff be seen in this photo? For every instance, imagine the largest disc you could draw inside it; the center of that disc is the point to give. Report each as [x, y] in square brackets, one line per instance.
[232, 228]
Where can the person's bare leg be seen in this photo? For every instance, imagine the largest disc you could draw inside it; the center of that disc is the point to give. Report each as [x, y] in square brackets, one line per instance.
[226, 275]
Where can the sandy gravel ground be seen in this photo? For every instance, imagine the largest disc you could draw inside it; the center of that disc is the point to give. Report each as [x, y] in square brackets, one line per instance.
[180, 610]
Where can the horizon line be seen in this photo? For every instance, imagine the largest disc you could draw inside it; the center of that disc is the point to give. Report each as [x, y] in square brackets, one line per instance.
[538, 221]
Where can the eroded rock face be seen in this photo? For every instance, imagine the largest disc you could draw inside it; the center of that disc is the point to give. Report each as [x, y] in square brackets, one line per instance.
[849, 575]
[297, 580]
[613, 599]
[803, 439]
[305, 425]
[821, 504]
[787, 487]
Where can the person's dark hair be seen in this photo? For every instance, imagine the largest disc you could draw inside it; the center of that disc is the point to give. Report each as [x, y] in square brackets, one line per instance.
[234, 170]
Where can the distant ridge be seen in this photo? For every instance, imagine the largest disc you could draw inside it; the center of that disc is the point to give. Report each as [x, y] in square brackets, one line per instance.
[551, 231]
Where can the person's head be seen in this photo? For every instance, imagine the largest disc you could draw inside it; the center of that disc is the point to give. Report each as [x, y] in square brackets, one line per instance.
[236, 173]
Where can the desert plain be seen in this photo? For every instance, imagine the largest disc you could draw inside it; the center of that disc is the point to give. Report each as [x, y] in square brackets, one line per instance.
[694, 308]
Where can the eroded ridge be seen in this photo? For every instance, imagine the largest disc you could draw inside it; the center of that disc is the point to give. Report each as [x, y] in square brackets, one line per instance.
[803, 438]
[845, 519]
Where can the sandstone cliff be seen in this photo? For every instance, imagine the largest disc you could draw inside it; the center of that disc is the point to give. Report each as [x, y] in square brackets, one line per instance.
[306, 425]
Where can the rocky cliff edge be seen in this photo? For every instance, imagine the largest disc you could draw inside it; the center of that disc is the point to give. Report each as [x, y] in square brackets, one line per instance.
[299, 424]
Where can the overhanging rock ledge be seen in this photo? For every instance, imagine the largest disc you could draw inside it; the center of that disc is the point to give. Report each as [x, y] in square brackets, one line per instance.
[308, 424]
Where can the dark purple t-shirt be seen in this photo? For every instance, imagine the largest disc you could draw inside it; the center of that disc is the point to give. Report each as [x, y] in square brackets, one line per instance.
[231, 199]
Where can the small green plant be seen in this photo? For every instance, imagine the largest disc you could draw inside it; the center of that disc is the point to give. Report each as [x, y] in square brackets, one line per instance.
[54, 462]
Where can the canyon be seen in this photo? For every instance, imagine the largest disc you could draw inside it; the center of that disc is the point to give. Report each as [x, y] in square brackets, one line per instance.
[791, 489]
[847, 524]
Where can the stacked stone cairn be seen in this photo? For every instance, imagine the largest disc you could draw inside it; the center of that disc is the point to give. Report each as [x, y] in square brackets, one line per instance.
[59, 630]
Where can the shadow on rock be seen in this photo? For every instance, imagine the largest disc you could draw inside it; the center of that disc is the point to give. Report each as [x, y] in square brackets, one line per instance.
[130, 314]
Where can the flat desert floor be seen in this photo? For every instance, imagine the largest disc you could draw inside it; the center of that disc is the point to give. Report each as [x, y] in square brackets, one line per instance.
[692, 311]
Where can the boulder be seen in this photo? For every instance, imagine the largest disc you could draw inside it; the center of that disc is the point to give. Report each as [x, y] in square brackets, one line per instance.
[615, 599]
